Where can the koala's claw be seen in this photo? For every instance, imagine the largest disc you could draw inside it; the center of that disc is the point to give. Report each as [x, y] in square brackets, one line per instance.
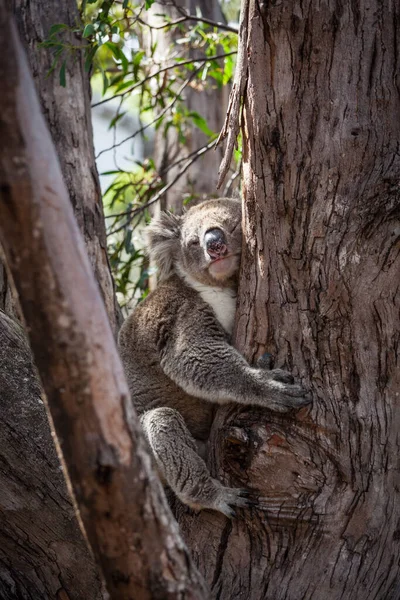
[266, 361]
[291, 396]
[235, 498]
[281, 375]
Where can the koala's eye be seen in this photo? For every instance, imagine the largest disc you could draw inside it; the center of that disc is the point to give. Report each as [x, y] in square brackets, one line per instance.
[193, 242]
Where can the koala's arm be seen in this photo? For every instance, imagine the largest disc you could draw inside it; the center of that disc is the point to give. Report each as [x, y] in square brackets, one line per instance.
[201, 361]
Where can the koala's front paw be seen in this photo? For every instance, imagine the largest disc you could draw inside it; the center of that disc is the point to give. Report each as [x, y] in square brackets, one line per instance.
[280, 375]
[280, 393]
[265, 361]
[285, 396]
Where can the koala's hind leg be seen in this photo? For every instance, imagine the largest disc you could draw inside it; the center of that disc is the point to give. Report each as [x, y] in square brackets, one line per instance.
[175, 452]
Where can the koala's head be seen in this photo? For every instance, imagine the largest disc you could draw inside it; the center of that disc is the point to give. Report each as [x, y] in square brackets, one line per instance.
[204, 243]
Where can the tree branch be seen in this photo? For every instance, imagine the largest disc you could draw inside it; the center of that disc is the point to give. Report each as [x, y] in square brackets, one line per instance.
[231, 125]
[191, 61]
[186, 17]
[158, 117]
[191, 158]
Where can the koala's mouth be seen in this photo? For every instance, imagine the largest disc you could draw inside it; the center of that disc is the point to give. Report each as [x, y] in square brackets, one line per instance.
[224, 267]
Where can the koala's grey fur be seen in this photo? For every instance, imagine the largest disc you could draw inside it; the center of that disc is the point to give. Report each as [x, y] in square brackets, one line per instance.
[176, 351]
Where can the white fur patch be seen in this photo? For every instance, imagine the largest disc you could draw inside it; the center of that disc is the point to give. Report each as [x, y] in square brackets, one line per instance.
[221, 300]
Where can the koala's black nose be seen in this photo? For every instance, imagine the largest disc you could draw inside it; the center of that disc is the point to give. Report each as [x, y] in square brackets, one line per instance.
[215, 243]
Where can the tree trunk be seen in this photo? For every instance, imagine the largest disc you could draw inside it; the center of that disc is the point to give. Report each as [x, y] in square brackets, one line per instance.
[8, 297]
[121, 503]
[43, 554]
[320, 291]
[68, 115]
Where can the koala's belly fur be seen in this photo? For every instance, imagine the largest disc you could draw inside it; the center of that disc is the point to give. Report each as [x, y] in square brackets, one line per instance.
[141, 341]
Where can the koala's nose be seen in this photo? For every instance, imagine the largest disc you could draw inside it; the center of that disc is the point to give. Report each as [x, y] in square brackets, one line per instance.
[215, 243]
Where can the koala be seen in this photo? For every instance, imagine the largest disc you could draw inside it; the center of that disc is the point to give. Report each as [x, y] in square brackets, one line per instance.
[177, 355]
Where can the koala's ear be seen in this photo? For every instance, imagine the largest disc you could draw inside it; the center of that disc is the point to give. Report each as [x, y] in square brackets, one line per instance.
[163, 235]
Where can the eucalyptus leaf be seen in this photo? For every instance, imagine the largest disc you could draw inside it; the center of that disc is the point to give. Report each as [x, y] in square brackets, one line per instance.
[62, 74]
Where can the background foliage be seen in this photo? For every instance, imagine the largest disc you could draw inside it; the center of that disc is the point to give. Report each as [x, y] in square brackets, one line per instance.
[128, 73]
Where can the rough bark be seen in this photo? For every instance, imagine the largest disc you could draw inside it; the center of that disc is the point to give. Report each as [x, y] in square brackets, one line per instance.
[68, 115]
[8, 298]
[320, 291]
[43, 554]
[127, 521]
[209, 101]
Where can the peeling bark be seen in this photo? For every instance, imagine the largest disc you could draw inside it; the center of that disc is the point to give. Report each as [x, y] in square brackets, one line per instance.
[320, 291]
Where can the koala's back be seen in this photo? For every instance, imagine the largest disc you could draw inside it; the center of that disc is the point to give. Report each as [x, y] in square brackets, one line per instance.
[141, 340]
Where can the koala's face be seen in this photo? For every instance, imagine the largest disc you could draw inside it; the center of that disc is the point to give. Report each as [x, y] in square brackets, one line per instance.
[204, 244]
[211, 238]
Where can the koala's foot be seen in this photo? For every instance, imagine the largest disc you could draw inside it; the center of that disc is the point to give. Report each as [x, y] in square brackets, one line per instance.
[222, 499]
[231, 498]
[186, 473]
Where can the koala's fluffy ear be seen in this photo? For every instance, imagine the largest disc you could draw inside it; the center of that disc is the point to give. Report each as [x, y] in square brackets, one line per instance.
[163, 235]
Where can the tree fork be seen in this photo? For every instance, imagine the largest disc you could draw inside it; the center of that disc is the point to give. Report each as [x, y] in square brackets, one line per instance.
[125, 515]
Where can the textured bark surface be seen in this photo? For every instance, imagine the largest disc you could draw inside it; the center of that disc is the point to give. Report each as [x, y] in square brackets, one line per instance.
[68, 116]
[43, 554]
[320, 291]
[8, 298]
[122, 505]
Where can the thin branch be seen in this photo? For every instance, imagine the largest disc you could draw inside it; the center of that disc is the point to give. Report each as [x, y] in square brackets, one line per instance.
[195, 155]
[188, 17]
[175, 65]
[231, 180]
[231, 125]
[163, 191]
[158, 117]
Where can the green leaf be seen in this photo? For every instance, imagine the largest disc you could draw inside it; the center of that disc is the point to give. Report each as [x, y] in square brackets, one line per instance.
[90, 56]
[88, 31]
[105, 81]
[62, 74]
[57, 27]
[115, 120]
[129, 247]
[138, 57]
[148, 3]
[125, 4]
[118, 54]
[200, 122]
[123, 85]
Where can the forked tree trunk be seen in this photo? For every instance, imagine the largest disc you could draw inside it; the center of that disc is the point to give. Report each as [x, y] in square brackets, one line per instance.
[320, 291]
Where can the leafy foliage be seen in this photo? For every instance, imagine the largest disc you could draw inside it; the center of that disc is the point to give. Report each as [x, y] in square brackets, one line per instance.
[134, 78]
